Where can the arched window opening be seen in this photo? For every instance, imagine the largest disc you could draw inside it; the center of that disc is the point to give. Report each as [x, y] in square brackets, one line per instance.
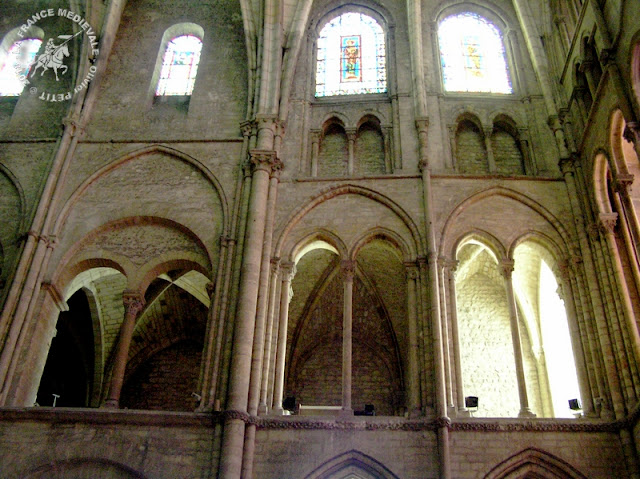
[487, 353]
[67, 380]
[472, 55]
[551, 376]
[334, 151]
[369, 148]
[166, 347]
[506, 150]
[471, 152]
[179, 66]
[561, 366]
[16, 67]
[351, 56]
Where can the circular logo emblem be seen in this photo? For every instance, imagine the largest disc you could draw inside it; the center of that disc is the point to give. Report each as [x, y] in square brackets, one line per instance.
[50, 62]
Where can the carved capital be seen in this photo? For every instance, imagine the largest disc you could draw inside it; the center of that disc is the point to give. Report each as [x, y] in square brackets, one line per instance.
[276, 168]
[288, 269]
[607, 55]
[275, 264]
[422, 262]
[247, 127]
[423, 166]
[567, 165]
[263, 160]
[623, 183]
[554, 123]
[133, 303]
[411, 270]
[347, 269]
[211, 288]
[351, 134]
[267, 122]
[594, 230]
[608, 222]
[506, 268]
[315, 136]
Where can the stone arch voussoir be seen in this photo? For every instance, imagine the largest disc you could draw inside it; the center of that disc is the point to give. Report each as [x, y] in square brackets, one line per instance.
[536, 462]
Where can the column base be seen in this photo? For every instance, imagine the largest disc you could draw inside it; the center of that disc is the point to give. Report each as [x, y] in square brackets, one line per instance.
[277, 411]
[463, 412]
[415, 413]
[526, 412]
[262, 409]
[111, 404]
[345, 413]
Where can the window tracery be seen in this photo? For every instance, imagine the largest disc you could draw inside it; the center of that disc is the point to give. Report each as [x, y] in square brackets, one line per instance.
[472, 55]
[351, 56]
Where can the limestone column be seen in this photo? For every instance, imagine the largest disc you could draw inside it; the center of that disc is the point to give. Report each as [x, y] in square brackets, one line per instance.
[386, 138]
[351, 137]
[348, 270]
[452, 145]
[266, 364]
[237, 398]
[133, 304]
[446, 343]
[287, 271]
[507, 272]
[451, 267]
[566, 294]
[412, 319]
[491, 161]
[315, 151]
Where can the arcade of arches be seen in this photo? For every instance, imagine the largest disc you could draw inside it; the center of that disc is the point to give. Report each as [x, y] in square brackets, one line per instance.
[320, 240]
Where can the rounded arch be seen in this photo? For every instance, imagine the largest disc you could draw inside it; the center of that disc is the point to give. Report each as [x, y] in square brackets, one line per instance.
[446, 243]
[369, 118]
[384, 234]
[301, 247]
[506, 122]
[471, 117]
[416, 246]
[601, 178]
[352, 461]
[489, 241]
[152, 272]
[133, 270]
[534, 462]
[83, 468]
[554, 252]
[64, 280]
[375, 10]
[13, 180]
[177, 30]
[335, 118]
[490, 10]
[121, 160]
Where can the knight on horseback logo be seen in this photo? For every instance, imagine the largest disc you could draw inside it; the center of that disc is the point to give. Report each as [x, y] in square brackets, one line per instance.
[55, 53]
[53, 56]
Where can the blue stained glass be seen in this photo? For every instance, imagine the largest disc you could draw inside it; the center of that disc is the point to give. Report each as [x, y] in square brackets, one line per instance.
[179, 66]
[351, 56]
[18, 62]
[472, 55]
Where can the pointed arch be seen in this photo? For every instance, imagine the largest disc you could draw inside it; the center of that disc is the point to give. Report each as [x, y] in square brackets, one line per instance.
[557, 226]
[121, 160]
[415, 247]
[352, 461]
[534, 462]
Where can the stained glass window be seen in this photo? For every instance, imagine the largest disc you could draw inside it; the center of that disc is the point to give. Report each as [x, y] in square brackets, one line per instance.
[179, 66]
[20, 57]
[351, 56]
[472, 55]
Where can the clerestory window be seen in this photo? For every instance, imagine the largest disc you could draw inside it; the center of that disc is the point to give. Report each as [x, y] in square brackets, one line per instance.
[472, 55]
[351, 56]
[17, 64]
[179, 66]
